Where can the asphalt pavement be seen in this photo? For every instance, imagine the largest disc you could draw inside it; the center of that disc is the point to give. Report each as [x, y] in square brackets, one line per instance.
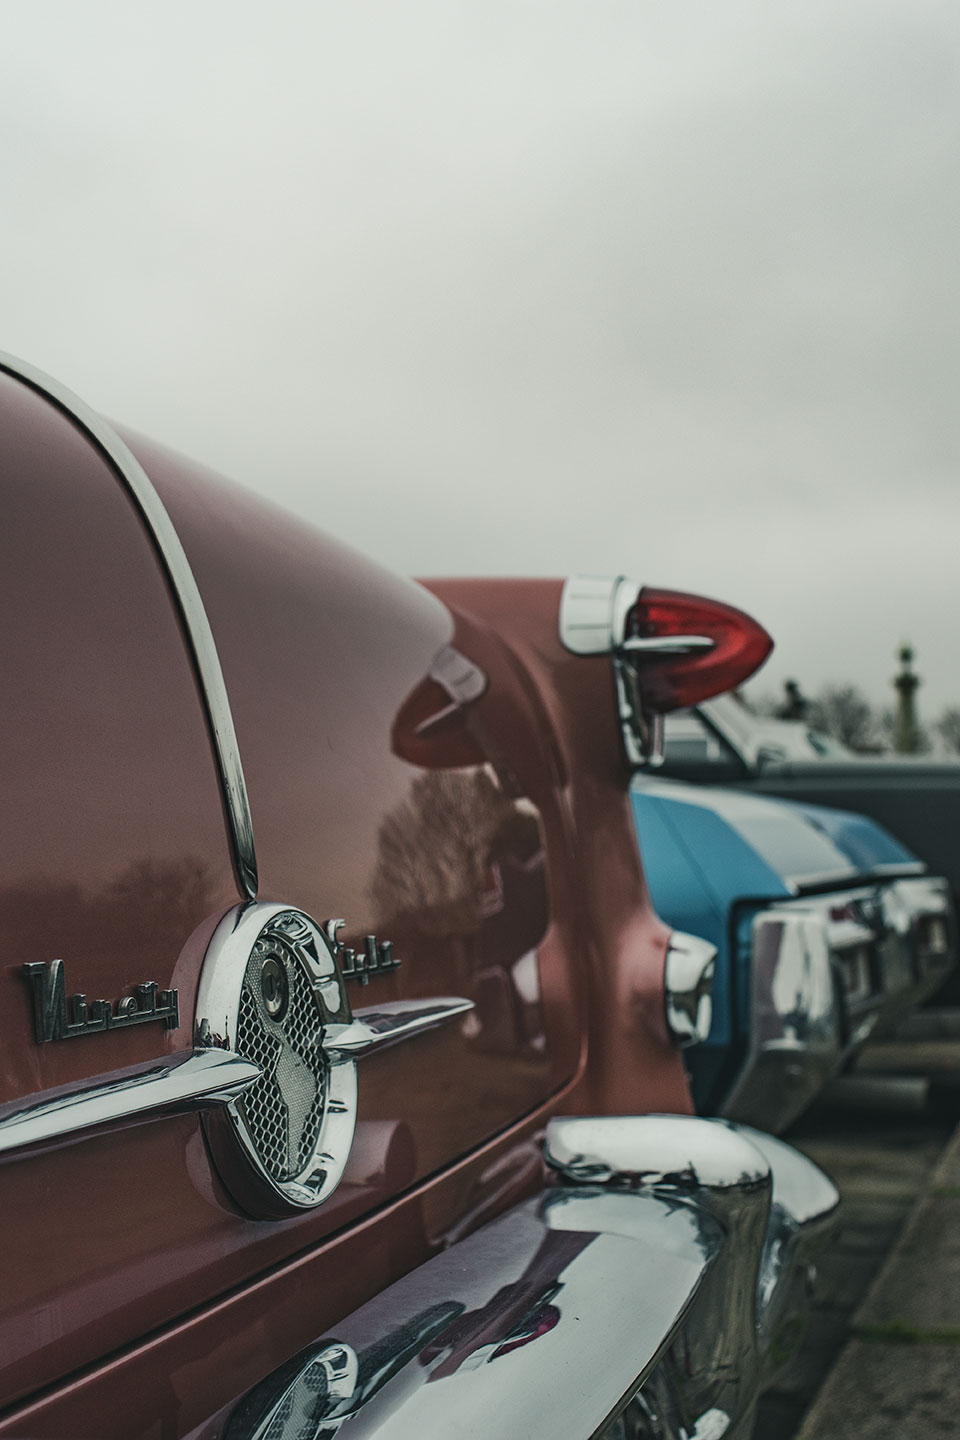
[881, 1358]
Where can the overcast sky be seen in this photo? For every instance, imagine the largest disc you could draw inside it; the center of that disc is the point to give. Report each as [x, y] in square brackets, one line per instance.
[663, 288]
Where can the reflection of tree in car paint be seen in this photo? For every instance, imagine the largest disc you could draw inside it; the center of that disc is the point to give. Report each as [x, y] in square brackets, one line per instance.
[462, 862]
[441, 850]
[164, 897]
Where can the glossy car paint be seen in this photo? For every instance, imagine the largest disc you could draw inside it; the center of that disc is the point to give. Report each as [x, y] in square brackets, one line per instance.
[496, 873]
[633, 1065]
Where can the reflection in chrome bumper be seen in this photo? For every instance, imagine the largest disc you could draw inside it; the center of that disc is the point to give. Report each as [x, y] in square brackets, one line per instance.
[827, 973]
[775, 1207]
[640, 1297]
[796, 1022]
[921, 926]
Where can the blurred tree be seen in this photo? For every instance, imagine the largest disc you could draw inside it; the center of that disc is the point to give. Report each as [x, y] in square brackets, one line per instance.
[948, 727]
[844, 712]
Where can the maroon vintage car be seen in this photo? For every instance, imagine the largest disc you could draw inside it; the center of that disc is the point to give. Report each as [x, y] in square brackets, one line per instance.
[282, 1039]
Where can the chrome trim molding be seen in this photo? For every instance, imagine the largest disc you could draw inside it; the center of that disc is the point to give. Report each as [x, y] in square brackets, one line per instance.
[667, 644]
[688, 973]
[377, 1026]
[275, 945]
[892, 869]
[188, 1081]
[196, 625]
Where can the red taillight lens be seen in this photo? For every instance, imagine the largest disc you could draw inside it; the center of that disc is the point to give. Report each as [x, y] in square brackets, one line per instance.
[685, 648]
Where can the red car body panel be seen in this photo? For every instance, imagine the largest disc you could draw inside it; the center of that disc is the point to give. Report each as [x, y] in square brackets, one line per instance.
[495, 852]
[634, 1067]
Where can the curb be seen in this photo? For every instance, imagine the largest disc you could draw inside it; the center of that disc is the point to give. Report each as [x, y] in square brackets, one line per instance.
[898, 1376]
[942, 1023]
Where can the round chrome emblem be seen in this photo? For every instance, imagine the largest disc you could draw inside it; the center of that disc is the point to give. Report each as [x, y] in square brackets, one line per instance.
[271, 991]
[274, 987]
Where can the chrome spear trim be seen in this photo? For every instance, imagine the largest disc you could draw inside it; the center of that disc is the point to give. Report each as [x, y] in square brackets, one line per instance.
[191, 1080]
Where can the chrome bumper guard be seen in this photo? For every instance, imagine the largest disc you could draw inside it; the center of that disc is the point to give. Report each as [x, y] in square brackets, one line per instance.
[920, 922]
[796, 1039]
[827, 973]
[641, 1296]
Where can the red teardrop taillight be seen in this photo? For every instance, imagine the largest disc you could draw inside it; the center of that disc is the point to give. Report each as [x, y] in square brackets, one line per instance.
[685, 648]
[669, 649]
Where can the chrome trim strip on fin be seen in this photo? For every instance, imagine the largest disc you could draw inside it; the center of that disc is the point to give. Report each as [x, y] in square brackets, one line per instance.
[196, 624]
[667, 644]
[192, 1080]
[381, 1025]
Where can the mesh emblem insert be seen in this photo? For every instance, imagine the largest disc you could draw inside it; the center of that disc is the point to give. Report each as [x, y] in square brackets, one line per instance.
[283, 1111]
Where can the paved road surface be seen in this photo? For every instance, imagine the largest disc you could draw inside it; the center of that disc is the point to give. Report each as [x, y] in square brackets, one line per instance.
[879, 1140]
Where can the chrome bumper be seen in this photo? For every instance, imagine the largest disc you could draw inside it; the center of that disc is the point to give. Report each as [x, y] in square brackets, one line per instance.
[643, 1295]
[827, 973]
[921, 925]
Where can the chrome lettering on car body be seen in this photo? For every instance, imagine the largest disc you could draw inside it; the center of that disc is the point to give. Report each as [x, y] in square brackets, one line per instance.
[53, 1019]
[376, 958]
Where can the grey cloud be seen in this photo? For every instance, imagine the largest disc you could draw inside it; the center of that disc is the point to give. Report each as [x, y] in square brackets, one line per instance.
[526, 287]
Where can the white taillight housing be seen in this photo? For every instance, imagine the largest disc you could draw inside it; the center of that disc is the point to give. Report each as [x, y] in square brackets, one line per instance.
[670, 650]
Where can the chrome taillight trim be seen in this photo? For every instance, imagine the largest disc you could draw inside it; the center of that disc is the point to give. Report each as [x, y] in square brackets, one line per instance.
[193, 615]
[688, 973]
[593, 612]
[191, 1080]
[593, 621]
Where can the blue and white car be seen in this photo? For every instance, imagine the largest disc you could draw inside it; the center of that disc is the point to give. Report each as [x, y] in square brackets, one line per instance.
[826, 929]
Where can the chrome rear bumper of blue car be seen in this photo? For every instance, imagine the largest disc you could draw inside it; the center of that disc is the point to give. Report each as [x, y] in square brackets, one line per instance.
[642, 1296]
[827, 972]
[918, 915]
